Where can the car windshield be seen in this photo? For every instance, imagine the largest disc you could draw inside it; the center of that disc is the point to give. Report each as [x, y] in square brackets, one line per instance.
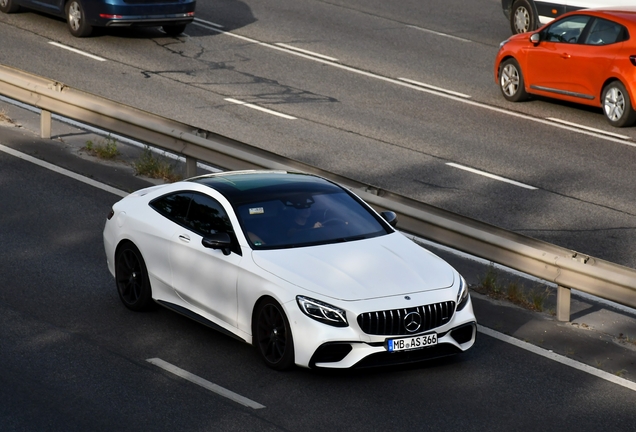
[285, 211]
[307, 219]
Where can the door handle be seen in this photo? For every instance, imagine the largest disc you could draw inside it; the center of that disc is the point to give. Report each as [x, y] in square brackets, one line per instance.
[184, 238]
[565, 56]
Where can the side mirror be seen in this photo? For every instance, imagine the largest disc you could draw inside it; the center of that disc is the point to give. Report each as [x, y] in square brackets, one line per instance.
[390, 217]
[218, 240]
[535, 38]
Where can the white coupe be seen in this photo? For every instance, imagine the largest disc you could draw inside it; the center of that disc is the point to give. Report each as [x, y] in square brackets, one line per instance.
[291, 263]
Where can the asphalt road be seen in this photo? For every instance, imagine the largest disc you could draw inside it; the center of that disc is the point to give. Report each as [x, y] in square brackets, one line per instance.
[74, 358]
[356, 116]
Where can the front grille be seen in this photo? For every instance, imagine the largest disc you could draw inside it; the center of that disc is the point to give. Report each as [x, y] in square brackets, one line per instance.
[391, 322]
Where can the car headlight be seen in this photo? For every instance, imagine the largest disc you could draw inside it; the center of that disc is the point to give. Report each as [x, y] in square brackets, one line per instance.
[323, 312]
[502, 43]
[462, 294]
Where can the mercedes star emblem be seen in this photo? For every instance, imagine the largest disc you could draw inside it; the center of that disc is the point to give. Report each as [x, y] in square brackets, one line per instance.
[412, 322]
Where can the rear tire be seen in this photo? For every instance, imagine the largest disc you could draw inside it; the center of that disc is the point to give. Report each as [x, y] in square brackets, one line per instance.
[617, 105]
[522, 18]
[76, 19]
[174, 30]
[8, 6]
[131, 277]
[511, 81]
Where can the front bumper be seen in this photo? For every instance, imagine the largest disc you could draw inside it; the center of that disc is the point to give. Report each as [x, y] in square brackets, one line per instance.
[350, 347]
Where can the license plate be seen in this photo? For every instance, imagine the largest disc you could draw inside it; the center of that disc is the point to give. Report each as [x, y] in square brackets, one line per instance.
[411, 343]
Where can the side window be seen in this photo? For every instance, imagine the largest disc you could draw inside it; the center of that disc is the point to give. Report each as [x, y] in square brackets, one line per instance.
[174, 206]
[605, 32]
[566, 30]
[206, 215]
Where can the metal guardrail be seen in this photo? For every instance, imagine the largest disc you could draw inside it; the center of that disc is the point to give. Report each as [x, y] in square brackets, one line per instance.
[567, 268]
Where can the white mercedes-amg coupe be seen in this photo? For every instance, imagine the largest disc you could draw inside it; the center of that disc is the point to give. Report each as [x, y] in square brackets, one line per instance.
[291, 263]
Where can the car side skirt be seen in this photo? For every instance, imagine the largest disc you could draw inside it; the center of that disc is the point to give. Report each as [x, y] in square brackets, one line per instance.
[198, 318]
[562, 92]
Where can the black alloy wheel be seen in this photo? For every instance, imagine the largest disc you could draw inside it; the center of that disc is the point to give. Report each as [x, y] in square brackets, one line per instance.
[522, 18]
[131, 276]
[273, 336]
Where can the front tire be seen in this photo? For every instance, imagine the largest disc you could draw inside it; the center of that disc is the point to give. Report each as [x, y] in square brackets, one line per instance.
[8, 6]
[131, 277]
[617, 105]
[511, 81]
[76, 19]
[522, 17]
[174, 30]
[272, 335]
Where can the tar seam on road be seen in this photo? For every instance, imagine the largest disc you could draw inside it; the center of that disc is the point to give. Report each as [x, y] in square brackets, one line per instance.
[205, 384]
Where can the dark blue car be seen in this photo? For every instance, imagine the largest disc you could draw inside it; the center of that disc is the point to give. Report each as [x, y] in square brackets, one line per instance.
[82, 15]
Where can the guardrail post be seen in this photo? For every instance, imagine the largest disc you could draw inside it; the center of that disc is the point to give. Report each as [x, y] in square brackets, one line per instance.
[563, 303]
[45, 124]
[191, 167]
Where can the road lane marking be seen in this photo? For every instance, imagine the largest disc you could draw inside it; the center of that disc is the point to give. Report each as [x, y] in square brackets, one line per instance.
[256, 107]
[492, 176]
[558, 358]
[221, 391]
[94, 57]
[432, 87]
[198, 20]
[446, 94]
[62, 171]
[311, 53]
[591, 129]
[439, 33]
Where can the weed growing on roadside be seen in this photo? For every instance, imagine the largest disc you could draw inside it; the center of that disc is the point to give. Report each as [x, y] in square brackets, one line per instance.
[151, 166]
[625, 338]
[514, 291]
[4, 117]
[107, 149]
[489, 282]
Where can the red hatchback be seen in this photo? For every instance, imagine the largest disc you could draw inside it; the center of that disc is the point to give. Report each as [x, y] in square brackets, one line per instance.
[587, 57]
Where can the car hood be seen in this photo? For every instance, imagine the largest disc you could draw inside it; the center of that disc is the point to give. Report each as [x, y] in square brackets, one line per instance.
[365, 269]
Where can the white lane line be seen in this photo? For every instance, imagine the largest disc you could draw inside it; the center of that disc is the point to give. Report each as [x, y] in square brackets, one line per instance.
[432, 87]
[591, 129]
[311, 53]
[94, 57]
[444, 94]
[205, 384]
[558, 358]
[492, 176]
[256, 107]
[62, 171]
[208, 23]
[439, 34]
